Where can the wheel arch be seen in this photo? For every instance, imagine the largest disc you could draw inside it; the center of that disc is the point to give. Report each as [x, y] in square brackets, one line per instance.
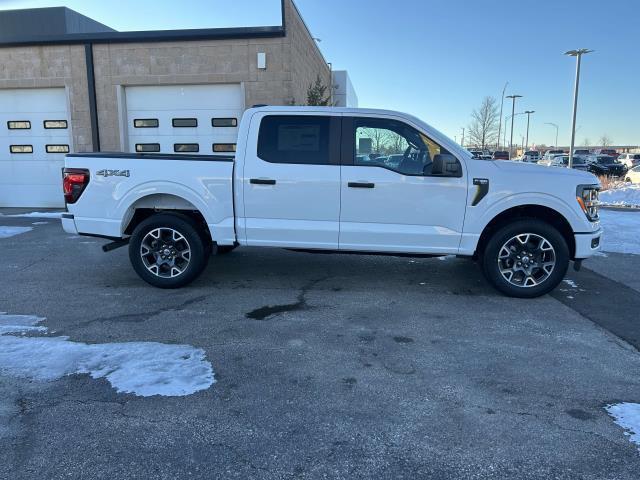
[538, 212]
[148, 205]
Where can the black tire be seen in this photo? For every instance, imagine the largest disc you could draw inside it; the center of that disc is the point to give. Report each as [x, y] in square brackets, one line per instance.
[491, 263]
[192, 241]
[224, 249]
[627, 180]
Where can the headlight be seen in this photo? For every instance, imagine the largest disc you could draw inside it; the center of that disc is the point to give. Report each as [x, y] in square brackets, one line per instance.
[588, 199]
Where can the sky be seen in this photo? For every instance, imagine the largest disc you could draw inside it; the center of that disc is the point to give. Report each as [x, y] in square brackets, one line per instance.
[438, 59]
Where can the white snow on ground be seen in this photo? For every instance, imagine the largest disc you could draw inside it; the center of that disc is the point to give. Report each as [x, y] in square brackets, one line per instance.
[36, 215]
[627, 195]
[621, 231]
[6, 232]
[627, 415]
[141, 368]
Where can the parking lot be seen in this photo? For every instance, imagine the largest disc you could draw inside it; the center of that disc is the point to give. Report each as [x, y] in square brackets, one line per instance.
[326, 366]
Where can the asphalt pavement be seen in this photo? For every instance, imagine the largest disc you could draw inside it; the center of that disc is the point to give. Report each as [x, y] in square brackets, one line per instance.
[326, 366]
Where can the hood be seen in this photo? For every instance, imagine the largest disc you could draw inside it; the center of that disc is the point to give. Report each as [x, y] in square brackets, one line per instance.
[533, 169]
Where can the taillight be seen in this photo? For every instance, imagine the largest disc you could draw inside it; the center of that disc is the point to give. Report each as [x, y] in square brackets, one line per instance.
[74, 181]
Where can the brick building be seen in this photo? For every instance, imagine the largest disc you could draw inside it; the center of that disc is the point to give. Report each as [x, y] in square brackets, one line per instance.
[69, 83]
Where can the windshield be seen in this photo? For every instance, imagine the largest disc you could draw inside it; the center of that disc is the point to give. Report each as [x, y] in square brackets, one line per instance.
[605, 160]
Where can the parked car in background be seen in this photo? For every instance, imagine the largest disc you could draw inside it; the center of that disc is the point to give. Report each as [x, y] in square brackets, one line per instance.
[607, 151]
[629, 160]
[581, 151]
[549, 154]
[562, 160]
[500, 155]
[531, 156]
[476, 153]
[633, 175]
[393, 161]
[605, 165]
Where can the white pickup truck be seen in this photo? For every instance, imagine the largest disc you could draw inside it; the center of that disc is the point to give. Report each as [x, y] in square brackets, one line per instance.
[320, 179]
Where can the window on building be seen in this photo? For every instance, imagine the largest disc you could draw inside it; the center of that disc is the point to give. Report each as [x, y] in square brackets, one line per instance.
[294, 139]
[184, 122]
[147, 147]
[224, 122]
[145, 123]
[224, 147]
[396, 146]
[57, 148]
[186, 147]
[55, 124]
[18, 124]
[21, 148]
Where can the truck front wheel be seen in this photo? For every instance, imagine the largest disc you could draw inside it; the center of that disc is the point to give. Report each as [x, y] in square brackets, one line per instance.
[167, 251]
[527, 258]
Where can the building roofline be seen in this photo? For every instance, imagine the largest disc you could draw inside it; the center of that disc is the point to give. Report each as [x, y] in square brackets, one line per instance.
[149, 36]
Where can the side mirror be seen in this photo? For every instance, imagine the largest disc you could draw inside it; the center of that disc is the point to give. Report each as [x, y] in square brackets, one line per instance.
[446, 165]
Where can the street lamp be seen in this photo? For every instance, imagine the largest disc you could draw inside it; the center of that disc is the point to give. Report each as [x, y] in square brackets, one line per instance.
[578, 54]
[506, 119]
[462, 142]
[513, 114]
[528, 112]
[554, 125]
[500, 124]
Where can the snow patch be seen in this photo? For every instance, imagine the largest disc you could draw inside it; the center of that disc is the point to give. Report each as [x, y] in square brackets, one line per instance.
[40, 223]
[141, 368]
[627, 415]
[627, 195]
[621, 231]
[571, 283]
[6, 232]
[36, 215]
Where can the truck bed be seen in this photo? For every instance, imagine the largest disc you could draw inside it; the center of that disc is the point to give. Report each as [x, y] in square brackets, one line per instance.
[121, 182]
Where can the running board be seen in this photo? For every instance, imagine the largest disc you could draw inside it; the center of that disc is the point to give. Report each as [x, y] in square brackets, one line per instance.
[113, 245]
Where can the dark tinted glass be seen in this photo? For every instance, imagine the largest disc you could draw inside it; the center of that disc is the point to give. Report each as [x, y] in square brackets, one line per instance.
[147, 147]
[224, 122]
[294, 139]
[55, 124]
[186, 147]
[145, 123]
[184, 122]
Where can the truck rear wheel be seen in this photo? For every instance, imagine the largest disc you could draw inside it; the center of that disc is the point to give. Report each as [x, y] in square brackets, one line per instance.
[168, 251]
[526, 259]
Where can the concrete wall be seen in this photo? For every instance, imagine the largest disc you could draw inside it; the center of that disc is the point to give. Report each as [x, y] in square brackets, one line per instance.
[52, 66]
[307, 61]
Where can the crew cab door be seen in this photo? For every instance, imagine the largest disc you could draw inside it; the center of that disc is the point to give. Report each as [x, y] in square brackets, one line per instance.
[291, 180]
[401, 191]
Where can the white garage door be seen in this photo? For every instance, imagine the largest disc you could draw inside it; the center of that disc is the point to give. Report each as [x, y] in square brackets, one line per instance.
[34, 136]
[193, 119]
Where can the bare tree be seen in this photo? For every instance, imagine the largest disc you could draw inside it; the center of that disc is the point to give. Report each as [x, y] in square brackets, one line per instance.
[605, 140]
[586, 142]
[483, 129]
[379, 139]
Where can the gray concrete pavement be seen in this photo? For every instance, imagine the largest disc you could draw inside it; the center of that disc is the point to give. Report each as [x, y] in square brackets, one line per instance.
[327, 366]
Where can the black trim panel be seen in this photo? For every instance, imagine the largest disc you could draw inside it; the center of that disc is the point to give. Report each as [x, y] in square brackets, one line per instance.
[150, 36]
[481, 191]
[155, 156]
[93, 104]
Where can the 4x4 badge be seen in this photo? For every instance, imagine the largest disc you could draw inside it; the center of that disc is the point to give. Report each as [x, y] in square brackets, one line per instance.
[113, 173]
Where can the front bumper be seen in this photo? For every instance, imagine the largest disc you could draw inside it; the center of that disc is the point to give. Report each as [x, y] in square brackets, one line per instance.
[587, 244]
[68, 223]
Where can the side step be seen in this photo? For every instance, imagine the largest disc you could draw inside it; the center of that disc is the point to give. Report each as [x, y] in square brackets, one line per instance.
[113, 245]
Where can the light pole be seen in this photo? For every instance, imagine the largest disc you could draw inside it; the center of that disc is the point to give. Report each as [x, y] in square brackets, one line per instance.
[578, 54]
[554, 125]
[513, 114]
[500, 124]
[528, 112]
[462, 142]
[506, 119]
